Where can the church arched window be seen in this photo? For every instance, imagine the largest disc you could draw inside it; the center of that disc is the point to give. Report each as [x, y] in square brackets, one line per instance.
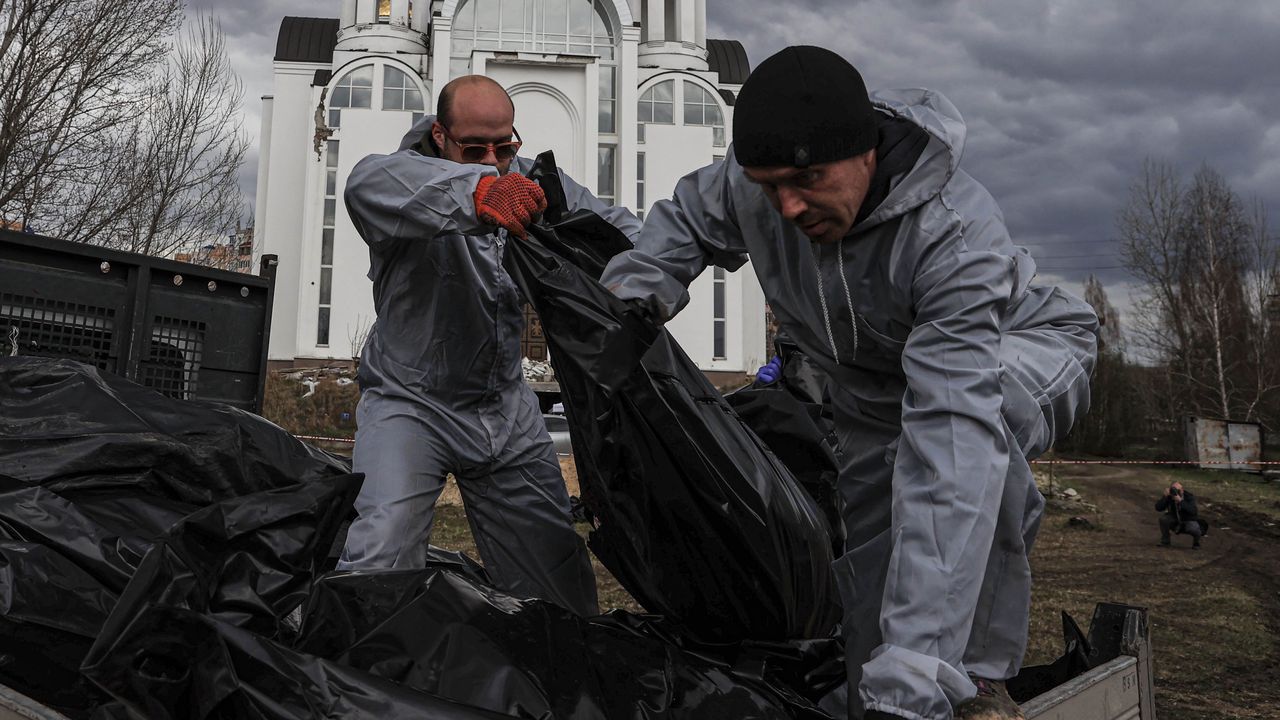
[657, 104]
[354, 90]
[700, 108]
[576, 27]
[399, 92]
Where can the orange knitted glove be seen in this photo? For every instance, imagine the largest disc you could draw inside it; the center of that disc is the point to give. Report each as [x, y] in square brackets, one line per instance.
[509, 201]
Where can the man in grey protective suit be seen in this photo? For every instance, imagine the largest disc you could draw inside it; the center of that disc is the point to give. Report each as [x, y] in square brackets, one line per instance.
[440, 375]
[947, 365]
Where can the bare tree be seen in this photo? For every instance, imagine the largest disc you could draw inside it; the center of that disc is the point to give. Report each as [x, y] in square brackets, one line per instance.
[1114, 413]
[135, 144]
[358, 336]
[1111, 335]
[1148, 226]
[187, 152]
[72, 73]
[1263, 290]
[1207, 268]
[1214, 234]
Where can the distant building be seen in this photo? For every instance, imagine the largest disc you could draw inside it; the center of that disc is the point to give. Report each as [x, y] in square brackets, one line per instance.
[235, 254]
[629, 94]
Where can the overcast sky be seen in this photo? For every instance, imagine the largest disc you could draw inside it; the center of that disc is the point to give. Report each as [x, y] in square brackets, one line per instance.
[1063, 99]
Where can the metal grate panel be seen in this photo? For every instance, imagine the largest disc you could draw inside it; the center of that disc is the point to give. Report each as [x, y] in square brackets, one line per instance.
[173, 358]
[42, 327]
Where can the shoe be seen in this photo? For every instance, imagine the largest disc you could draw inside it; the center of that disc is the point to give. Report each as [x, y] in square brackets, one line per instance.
[1164, 543]
[1196, 546]
[991, 703]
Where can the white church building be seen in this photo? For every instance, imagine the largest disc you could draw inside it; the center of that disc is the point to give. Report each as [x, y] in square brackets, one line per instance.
[630, 94]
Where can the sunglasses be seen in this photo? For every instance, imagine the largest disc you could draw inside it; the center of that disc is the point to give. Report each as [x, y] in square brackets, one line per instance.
[477, 152]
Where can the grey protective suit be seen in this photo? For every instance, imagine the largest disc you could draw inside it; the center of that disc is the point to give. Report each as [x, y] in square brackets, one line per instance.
[947, 368]
[442, 389]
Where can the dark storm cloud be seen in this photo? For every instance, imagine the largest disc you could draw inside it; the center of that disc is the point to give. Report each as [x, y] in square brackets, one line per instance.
[1063, 100]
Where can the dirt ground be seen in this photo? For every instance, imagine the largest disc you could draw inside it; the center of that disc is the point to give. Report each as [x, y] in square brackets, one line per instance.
[1215, 613]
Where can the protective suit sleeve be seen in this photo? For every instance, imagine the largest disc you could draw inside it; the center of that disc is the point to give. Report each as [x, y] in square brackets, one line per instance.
[948, 479]
[681, 236]
[408, 196]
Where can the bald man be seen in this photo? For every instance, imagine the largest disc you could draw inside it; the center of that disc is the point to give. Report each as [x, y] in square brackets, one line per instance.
[440, 376]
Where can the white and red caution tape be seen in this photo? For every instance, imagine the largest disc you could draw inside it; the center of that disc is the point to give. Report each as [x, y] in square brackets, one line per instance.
[1197, 463]
[324, 439]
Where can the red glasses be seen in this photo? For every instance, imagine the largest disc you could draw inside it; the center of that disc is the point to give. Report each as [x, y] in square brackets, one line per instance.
[477, 152]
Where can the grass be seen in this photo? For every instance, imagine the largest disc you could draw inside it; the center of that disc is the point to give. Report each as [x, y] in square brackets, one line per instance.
[1246, 491]
[321, 413]
[1242, 490]
[1212, 613]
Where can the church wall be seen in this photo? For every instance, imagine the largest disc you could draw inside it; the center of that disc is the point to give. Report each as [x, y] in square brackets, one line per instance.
[277, 231]
[362, 132]
[556, 100]
[551, 110]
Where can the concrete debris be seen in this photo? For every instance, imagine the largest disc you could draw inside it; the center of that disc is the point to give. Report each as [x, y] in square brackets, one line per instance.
[536, 370]
[296, 374]
[1066, 500]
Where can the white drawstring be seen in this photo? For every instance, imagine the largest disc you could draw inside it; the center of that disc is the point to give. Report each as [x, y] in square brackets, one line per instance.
[848, 296]
[822, 300]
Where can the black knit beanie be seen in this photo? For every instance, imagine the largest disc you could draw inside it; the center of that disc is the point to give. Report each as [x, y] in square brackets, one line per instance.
[803, 106]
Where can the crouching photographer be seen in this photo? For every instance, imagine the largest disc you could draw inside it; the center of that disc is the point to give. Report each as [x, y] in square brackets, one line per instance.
[1180, 515]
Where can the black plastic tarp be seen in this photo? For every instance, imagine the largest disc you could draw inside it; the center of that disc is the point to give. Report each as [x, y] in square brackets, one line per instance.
[697, 519]
[164, 559]
[94, 470]
[793, 420]
[444, 631]
[193, 638]
[439, 642]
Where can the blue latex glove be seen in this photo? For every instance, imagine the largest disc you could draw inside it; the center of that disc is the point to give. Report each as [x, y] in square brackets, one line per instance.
[769, 374]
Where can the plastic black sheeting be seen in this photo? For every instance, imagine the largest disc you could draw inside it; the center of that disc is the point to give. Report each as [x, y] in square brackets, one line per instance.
[439, 642]
[697, 519]
[443, 631]
[181, 643]
[94, 470]
[793, 420]
[163, 559]
[1034, 680]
